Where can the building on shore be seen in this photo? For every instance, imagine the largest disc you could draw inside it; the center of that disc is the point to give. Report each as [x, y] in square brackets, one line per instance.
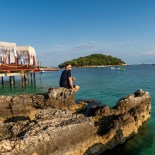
[13, 57]
[17, 61]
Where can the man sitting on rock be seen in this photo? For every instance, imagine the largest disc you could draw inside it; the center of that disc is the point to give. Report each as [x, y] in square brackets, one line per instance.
[66, 80]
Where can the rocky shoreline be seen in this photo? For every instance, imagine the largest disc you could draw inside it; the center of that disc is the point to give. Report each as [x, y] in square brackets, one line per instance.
[96, 66]
[51, 123]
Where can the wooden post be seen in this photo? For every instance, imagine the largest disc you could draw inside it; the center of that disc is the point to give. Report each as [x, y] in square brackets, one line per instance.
[12, 80]
[23, 83]
[2, 81]
[34, 78]
[34, 62]
[28, 59]
[16, 60]
[4, 60]
[9, 58]
[31, 78]
[25, 78]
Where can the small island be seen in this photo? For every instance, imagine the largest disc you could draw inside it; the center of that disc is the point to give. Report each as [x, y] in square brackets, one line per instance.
[94, 60]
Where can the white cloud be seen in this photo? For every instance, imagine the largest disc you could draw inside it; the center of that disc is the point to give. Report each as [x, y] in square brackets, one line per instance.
[136, 40]
[143, 54]
[90, 46]
[149, 53]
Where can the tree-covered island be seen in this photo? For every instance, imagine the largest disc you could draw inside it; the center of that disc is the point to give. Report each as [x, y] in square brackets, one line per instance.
[94, 60]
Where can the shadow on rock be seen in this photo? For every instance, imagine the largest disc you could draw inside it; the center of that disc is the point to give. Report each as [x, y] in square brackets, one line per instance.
[104, 124]
[133, 146]
[91, 106]
[16, 119]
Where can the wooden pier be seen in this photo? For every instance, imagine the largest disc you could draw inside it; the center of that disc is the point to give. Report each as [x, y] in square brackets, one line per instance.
[24, 76]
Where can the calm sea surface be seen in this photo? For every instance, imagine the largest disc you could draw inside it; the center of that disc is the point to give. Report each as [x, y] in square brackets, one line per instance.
[107, 86]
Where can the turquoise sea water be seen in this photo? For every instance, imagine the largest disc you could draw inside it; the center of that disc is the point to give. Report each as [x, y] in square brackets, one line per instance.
[107, 86]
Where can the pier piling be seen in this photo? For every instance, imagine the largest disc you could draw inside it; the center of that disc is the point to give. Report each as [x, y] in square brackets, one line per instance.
[24, 77]
[34, 77]
[2, 80]
[12, 80]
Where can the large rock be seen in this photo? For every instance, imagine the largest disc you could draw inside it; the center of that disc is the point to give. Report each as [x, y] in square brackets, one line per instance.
[55, 130]
[27, 105]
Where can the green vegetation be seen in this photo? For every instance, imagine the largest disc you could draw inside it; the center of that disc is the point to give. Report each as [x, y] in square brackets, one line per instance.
[93, 60]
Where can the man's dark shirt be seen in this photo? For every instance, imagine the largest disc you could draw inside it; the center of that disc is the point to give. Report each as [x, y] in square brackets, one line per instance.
[64, 79]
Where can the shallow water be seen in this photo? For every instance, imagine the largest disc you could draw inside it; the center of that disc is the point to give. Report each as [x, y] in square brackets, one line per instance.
[107, 86]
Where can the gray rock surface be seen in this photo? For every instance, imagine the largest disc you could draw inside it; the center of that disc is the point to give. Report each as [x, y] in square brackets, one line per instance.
[46, 124]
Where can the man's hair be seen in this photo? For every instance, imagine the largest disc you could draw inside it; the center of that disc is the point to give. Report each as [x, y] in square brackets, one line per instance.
[67, 65]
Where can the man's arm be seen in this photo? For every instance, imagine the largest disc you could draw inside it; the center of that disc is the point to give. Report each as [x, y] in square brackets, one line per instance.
[71, 82]
[73, 78]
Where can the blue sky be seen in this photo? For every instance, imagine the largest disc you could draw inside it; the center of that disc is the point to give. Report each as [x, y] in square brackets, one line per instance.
[61, 30]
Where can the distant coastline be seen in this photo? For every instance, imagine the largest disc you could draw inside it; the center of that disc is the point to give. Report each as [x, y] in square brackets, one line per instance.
[99, 66]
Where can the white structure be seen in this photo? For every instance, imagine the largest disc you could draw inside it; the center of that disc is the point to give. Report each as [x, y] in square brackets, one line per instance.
[7, 49]
[19, 55]
[26, 55]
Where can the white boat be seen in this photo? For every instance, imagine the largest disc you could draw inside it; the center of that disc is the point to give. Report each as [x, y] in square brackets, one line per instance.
[121, 69]
[112, 67]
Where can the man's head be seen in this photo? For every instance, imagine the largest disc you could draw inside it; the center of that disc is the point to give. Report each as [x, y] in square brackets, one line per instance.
[68, 67]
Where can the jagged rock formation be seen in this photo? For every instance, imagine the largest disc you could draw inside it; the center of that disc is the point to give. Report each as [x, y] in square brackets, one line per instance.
[45, 125]
[27, 105]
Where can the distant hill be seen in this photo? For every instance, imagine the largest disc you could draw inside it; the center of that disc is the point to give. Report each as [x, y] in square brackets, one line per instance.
[94, 60]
